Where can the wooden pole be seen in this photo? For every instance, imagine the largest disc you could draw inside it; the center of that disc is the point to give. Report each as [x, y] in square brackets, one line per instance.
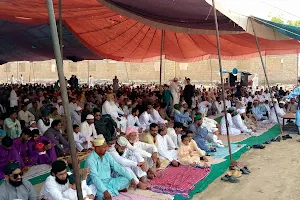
[265, 73]
[161, 54]
[64, 94]
[222, 81]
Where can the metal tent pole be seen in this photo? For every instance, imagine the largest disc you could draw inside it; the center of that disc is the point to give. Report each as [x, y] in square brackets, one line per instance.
[222, 82]
[211, 73]
[88, 80]
[63, 90]
[161, 52]
[265, 73]
[60, 27]
[297, 82]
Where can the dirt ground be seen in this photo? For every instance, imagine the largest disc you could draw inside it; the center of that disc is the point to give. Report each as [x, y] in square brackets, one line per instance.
[275, 175]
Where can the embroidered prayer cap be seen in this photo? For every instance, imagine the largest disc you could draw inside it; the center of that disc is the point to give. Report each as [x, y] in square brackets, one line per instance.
[59, 101]
[78, 108]
[98, 142]
[58, 166]
[11, 167]
[89, 117]
[197, 117]
[26, 100]
[176, 106]
[122, 141]
[275, 100]
[131, 129]
[281, 102]
[32, 122]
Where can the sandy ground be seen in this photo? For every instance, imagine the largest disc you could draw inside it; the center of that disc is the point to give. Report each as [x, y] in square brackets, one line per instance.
[275, 175]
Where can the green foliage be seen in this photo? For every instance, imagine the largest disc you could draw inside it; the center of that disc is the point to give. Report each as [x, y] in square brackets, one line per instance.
[279, 19]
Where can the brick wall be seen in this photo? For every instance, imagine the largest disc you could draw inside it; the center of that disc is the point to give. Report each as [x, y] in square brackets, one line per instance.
[280, 69]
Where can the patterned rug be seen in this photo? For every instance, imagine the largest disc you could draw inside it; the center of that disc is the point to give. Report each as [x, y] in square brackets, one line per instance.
[178, 180]
[129, 196]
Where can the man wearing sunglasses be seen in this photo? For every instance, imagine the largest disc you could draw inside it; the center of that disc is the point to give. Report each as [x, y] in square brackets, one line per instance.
[14, 187]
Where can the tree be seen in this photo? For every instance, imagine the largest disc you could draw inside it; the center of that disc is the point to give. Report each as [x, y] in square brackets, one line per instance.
[277, 20]
[281, 20]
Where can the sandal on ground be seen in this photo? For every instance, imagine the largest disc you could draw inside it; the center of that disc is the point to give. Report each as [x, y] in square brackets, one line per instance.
[258, 146]
[288, 136]
[267, 142]
[230, 179]
[244, 171]
[246, 168]
[283, 137]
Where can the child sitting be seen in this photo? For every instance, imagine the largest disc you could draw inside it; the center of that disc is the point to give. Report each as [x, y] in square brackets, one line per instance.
[188, 152]
[71, 193]
[80, 140]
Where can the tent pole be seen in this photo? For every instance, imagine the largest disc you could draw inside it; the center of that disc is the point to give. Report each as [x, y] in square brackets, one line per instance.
[266, 69]
[17, 78]
[88, 80]
[211, 73]
[161, 52]
[30, 72]
[265, 73]
[60, 27]
[63, 90]
[222, 82]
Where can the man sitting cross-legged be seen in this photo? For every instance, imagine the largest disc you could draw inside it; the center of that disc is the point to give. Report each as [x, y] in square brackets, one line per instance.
[130, 159]
[101, 164]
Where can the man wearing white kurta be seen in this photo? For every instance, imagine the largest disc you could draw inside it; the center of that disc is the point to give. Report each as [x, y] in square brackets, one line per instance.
[87, 128]
[238, 122]
[280, 112]
[60, 108]
[133, 120]
[110, 108]
[148, 151]
[131, 160]
[166, 147]
[91, 81]
[76, 116]
[156, 116]
[174, 91]
[13, 98]
[146, 118]
[232, 131]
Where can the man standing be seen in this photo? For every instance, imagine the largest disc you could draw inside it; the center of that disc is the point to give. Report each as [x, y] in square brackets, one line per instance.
[101, 163]
[115, 84]
[188, 92]
[91, 81]
[14, 187]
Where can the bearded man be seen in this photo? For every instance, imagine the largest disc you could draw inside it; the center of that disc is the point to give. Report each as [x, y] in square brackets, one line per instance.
[110, 108]
[14, 187]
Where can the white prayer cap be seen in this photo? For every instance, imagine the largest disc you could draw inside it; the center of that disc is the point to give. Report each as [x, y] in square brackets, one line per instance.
[59, 101]
[26, 100]
[78, 108]
[241, 110]
[282, 102]
[275, 100]
[32, 122]
[122, 141]
[90, 116]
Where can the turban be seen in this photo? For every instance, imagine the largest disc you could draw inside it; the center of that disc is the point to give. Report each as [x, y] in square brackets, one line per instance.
[197, 117]
[99, 142]
[122, 141]
[11, 167]
[58, 166]
[130, 129]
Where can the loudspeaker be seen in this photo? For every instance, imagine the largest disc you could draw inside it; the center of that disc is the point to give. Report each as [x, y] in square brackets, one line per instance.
[232, 79]
[244, 79]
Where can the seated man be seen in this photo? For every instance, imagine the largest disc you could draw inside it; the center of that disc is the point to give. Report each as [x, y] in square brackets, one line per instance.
[44, 123]
[101, 164]
[166, 148]
[181, 117]
[250, 120]
[146, 118]
[40, 149]
[147, 151]
[238, 122]
[14, 187]
[156, 116]
[76, 115]
[188, 155]
[279, 110]
[25, 115]
[105, 126]
[200, 134]
[87, 129]
[175, 133]
[110, 108]
[12, 126]
[60, 143]
[21, 145]
[132, 160]
[232, 130]
[292, 106]
[133, 120]
[57, 182]
[150, 138]
[258, 113]
[7, 154]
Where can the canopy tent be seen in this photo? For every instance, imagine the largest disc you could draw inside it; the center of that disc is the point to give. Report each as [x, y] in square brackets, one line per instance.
[33, 43]
[113, 36]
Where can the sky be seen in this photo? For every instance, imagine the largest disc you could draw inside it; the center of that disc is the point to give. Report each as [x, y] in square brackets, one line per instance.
[288, 9]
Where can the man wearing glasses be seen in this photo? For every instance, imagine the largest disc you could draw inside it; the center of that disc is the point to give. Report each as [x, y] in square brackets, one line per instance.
[14, 187]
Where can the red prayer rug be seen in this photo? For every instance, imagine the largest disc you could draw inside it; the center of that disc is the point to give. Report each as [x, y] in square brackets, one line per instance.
[178, 180]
